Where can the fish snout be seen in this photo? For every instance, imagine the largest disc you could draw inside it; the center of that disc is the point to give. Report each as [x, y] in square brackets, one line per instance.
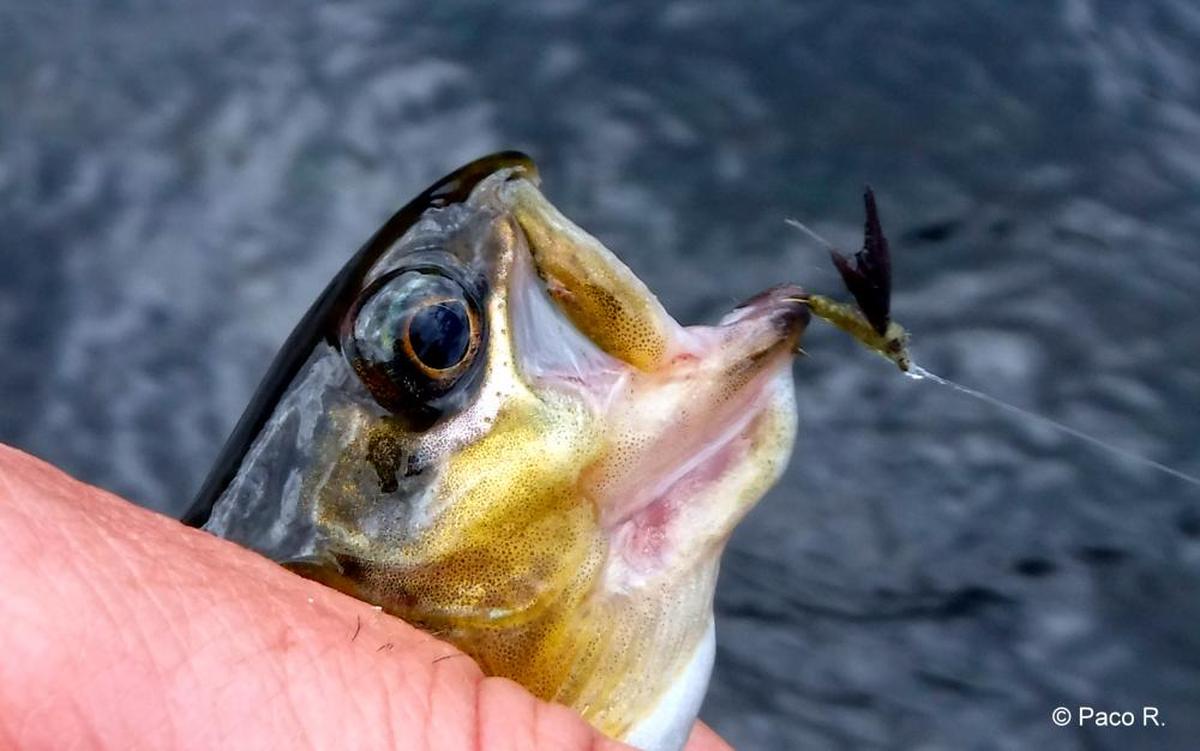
[780, 313]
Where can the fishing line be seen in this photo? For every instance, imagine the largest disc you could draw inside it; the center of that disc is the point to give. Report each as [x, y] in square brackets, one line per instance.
[811, 234]
[916, 372]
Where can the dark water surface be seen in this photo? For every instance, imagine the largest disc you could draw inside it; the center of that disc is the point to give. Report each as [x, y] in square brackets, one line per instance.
[177, 185]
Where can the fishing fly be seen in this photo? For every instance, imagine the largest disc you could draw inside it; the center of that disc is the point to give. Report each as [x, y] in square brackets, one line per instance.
[868, 277]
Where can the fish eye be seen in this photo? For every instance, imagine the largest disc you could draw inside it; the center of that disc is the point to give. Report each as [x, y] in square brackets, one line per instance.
[412, 337]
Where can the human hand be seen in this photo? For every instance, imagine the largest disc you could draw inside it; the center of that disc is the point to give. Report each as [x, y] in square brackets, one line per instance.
[122, 629]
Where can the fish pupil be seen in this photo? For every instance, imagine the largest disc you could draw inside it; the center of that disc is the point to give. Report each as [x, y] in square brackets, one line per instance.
[440, 334]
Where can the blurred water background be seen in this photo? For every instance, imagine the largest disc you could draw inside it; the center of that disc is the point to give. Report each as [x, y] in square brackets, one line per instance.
[179, 181]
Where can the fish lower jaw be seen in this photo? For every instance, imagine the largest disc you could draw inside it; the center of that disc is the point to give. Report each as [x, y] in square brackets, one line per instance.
[686, 518]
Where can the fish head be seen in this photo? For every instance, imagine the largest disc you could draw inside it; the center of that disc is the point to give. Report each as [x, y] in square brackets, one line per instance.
[490, 427]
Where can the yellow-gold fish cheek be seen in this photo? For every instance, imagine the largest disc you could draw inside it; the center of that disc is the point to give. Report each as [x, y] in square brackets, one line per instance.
[503, 529]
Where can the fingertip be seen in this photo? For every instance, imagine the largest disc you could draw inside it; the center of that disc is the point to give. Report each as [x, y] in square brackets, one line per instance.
[704, 738]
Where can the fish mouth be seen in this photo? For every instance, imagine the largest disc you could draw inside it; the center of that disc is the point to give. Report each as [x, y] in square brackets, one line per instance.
[699, 420]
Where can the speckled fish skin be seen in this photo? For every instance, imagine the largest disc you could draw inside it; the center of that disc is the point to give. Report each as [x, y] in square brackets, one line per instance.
[556, 501]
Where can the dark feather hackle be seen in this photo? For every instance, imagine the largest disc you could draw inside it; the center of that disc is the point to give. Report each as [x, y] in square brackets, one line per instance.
[869, 277]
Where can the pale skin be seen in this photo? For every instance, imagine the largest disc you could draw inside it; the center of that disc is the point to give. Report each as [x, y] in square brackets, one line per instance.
[123, 629]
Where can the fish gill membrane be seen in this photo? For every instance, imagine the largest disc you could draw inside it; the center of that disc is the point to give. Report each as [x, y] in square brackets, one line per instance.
[868, 278]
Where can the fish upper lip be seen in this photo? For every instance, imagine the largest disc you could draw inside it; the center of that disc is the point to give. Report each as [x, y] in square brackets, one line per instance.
[788, 302]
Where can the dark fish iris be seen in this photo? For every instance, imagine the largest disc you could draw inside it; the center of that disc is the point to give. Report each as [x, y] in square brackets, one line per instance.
[440, 334]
